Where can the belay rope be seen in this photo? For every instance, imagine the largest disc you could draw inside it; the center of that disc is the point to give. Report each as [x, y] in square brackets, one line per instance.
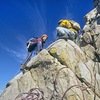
[89, 85]
[38, 94]
[33, 94]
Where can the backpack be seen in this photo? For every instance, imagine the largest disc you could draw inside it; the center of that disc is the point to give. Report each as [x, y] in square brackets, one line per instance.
[65, 23]
[75, 25]
[32, 41]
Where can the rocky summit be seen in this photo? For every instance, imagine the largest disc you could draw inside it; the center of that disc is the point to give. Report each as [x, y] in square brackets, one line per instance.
[64, 70]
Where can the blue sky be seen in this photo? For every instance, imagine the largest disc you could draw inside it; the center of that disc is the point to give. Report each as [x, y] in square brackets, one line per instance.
[22, 19]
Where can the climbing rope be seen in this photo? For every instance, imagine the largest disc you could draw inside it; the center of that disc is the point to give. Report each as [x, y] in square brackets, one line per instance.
[37, 94]
[89, 85]
[33, 94]
[55, 83]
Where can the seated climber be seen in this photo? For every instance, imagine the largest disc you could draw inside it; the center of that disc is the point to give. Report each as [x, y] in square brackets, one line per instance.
[34, 44]
[67, 29]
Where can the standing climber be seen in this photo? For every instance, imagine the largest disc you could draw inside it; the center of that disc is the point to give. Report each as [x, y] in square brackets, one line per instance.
[67, 29]
[34, 44]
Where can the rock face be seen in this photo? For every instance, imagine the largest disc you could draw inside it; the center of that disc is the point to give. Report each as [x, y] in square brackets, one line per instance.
[60, 72]
[63, 71]
[90, 42]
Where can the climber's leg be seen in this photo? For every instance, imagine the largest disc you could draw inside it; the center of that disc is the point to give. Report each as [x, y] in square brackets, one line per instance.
[26, 60]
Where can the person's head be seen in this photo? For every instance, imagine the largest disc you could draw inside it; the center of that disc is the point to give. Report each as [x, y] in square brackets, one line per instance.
[44, 37]
[60, 21]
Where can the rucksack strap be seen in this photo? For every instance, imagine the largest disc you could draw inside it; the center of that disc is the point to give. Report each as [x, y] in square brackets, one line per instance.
[33, 41]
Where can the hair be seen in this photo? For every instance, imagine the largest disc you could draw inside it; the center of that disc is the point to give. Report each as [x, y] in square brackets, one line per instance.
[44, 36]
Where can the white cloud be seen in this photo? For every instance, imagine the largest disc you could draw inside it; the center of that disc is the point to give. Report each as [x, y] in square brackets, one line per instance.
[69, 9]
[16, 53]
[69, 15]
[38, 16]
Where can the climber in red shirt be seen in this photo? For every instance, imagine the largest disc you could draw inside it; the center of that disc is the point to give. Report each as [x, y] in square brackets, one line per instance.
[32, 44]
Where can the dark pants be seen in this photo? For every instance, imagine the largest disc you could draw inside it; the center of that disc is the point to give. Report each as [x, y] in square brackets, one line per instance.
[30, 51]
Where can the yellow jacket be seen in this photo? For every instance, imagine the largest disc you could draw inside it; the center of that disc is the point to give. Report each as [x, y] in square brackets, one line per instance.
[67, 24]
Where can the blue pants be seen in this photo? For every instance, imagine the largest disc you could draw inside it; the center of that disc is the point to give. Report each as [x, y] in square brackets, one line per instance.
[30, 52]
[64, 33]
[31, 48]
